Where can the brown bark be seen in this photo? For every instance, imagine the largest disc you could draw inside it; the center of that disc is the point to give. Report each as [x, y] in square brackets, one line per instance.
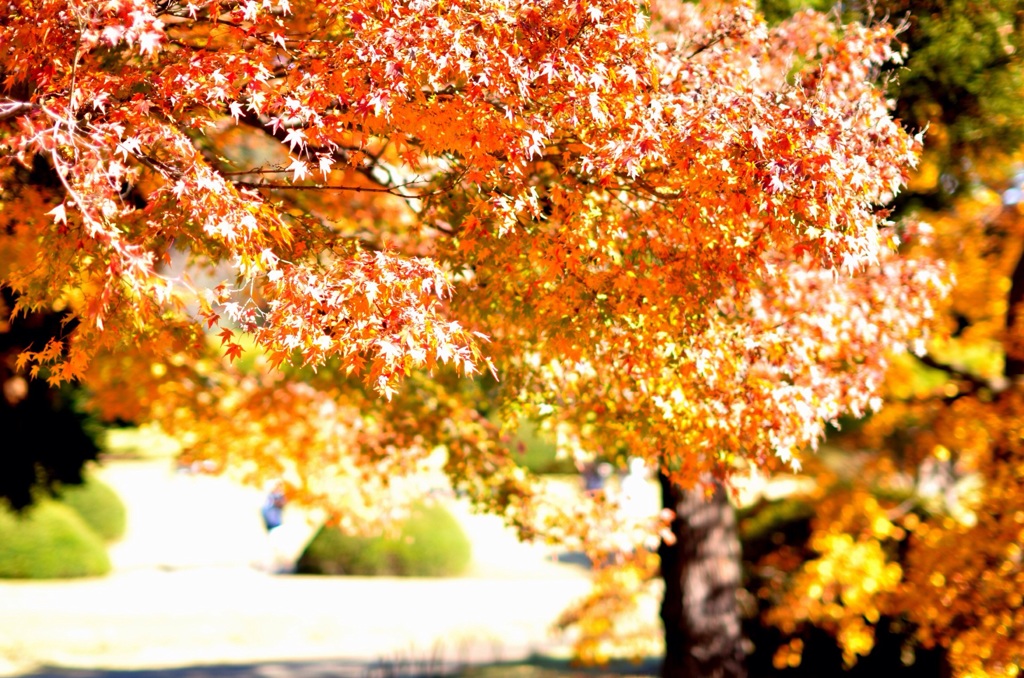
[1014, 307]
[700, 611]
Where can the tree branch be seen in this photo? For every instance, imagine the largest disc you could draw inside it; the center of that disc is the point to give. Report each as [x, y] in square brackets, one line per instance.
[955, 373]
[11, 108]
[338, 153]
[322, 187]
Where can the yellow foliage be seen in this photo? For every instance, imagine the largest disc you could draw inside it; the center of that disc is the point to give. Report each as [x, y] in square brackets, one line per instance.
[843, 587]
[950, 443]
[611, 621]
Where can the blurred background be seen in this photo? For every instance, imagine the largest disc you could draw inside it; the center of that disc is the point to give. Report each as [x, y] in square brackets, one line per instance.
[151, 564]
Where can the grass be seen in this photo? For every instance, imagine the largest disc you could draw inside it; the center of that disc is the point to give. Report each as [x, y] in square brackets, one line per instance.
[544, 667]
[435, 666]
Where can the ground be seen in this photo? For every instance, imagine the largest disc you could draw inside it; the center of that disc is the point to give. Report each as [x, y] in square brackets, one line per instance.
[187, 590]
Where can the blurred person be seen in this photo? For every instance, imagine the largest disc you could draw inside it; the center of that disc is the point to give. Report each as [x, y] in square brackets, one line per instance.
[595, 475]
[272, 512]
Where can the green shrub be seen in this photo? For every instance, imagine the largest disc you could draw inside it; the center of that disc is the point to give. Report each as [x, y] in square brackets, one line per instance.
[49, 541]
[431, 543]
[98, 505]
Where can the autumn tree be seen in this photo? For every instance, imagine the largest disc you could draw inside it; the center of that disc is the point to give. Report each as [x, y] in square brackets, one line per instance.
[289, 231]
[926, 534]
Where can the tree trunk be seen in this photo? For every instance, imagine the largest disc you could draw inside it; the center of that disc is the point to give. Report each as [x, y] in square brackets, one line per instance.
[700, 611]
[1014, 365]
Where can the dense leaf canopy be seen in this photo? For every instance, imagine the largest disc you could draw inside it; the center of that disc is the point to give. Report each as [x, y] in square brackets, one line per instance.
[660, 228]
[924, 535]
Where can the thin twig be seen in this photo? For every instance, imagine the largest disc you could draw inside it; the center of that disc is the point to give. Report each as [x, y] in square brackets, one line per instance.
[256, 170]
[317, 187]
[74, 65]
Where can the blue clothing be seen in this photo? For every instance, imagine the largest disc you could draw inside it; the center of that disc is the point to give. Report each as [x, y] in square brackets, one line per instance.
[272, 510]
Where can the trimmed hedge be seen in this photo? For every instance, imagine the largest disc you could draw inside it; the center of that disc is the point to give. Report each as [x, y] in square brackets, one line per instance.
[98, 505]
[431, 543]
[49, 541]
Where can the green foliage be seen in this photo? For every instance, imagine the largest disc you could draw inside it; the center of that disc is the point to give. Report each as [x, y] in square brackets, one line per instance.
[761, 520]
[62, 439]
[962, 79]
[49, 541]
[964, 56]
[775, 11]
[98, 505]
[431, 543]
[535, 450]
